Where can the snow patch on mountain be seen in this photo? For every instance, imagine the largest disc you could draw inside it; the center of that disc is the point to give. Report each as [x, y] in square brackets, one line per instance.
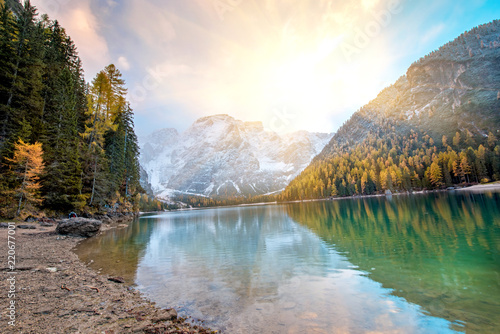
[221, 156]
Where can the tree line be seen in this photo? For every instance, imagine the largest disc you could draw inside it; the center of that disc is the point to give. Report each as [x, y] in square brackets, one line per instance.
[387, 160]
[65, 145]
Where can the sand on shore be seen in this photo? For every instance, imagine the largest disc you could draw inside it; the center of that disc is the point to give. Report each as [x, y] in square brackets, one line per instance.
[56, 293]
[482, 187]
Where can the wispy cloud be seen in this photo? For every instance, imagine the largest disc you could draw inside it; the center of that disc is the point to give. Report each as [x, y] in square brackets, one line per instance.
[123, 63]
[432, 33]
[320, 59]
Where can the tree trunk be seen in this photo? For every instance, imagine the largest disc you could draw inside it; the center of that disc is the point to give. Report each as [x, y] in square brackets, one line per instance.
[21, 197]
[93, 182]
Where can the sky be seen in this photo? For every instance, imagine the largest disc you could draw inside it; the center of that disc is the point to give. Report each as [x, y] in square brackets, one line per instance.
[291, 64]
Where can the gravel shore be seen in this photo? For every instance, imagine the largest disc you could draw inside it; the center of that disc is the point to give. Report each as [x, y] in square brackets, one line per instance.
[483, 187]
[56, 293]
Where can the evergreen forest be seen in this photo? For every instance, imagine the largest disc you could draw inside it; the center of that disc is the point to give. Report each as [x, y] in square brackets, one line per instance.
[65, 145]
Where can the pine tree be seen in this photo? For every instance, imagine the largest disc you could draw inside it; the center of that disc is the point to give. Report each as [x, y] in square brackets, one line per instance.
[8, 32]
[24, 99]
[21, 68]
[62, 108]
[482, 173]
[112, 142]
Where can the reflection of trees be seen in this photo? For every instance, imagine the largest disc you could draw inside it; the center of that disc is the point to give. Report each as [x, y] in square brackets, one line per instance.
[117, 252]
[439, 251]
[205, 256]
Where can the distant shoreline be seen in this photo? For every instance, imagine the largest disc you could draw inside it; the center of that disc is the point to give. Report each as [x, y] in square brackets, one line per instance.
[475, 188]
[482, 187]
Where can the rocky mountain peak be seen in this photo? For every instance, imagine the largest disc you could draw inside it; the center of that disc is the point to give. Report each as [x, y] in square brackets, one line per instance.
[222, 156]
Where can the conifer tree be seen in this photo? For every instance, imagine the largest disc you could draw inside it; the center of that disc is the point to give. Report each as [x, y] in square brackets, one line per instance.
[24, 100]
[8, 32]
[112, 142]
[21, 66]
[62, 108]
[27, 165]
[435, 175]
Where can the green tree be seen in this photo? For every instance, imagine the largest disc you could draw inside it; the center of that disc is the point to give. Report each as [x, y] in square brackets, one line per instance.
[63, 109]
[22, 68]
[112, 144]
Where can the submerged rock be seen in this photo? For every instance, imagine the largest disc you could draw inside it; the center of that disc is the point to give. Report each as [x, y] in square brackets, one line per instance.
[81, 227]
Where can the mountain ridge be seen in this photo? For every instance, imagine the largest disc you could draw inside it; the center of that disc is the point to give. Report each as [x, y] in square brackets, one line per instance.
[221, 156]
[453, 91]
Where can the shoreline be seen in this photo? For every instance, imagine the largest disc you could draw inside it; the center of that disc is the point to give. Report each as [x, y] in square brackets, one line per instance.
[482, 187]
[56, 292]
[494, 186]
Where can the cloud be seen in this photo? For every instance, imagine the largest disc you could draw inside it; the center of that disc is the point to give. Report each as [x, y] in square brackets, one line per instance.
[182, 61]
[150, 23]
[284, 55]
[123, 63]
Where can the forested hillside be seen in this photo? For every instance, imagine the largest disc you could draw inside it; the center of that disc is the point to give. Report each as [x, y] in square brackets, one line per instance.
[436, 126]
[65, 145]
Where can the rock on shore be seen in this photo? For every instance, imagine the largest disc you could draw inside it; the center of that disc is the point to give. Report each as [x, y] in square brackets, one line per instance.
[57, 293]
[79, 227]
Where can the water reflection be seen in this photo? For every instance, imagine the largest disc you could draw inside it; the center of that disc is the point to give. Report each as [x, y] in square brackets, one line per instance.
[439, 251]
[415, 264]
[117, 252]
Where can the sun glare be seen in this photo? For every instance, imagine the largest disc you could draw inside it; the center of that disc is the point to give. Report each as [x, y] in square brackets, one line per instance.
[304, 82]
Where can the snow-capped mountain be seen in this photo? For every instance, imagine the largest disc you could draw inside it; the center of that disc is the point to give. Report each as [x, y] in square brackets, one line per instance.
[221, 156]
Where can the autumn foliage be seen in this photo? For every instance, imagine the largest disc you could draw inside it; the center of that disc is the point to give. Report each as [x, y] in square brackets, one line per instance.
[27, 165]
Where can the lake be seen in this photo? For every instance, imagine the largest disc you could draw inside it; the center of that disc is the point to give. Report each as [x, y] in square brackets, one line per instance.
[423, 263]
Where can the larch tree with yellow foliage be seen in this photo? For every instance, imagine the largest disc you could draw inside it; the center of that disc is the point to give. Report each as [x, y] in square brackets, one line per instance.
[28, 165]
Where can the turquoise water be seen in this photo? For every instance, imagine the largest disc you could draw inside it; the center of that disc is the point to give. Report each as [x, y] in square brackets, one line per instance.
[406, 264]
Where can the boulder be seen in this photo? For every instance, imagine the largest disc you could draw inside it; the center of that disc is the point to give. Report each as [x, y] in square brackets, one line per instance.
[80, 227]
[117, 279]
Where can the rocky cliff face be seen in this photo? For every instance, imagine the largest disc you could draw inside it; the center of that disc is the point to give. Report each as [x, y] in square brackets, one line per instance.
[453, 88]
[222, 156]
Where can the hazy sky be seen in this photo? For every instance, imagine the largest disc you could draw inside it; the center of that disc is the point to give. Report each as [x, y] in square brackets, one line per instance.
[292, 64]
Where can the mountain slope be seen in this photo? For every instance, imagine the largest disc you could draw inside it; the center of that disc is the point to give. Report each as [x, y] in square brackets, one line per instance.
[222, 156]
[455, 89]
